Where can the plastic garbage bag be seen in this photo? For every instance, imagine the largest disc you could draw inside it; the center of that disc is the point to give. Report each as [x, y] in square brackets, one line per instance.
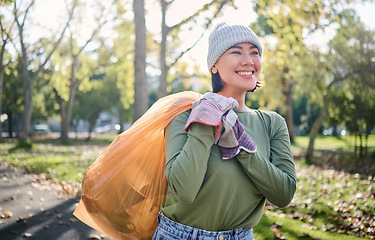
[123, 189]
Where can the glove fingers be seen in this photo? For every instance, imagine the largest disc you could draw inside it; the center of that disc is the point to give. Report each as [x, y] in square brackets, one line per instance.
[224, 102]
[241, 137]
[227, 138]
[206, 111]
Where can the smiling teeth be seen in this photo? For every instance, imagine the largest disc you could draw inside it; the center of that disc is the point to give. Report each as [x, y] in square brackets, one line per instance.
[245, 73]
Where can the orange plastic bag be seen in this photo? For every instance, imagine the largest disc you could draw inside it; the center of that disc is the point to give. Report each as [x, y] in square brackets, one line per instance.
[123, 189]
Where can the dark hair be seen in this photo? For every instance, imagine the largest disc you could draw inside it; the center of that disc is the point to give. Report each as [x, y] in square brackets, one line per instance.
[218, 84]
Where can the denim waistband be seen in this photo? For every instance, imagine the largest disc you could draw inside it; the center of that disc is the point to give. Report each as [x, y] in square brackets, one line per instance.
[187, 232]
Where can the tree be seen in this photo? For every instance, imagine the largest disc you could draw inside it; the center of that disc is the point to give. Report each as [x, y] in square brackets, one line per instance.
[83, 108]
[140, 83]
[5, 37]
[29, 78]
[167, 31]
[80, 69]
[349, 58]
[353, 99]
[353, 106]
[12, 97]
[104, 86]
[288, 22]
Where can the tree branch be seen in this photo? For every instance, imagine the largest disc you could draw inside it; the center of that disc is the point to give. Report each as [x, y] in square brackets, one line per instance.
[26, 12]
[209, 22]
[197, 13]
[41, 67]
[184, 52]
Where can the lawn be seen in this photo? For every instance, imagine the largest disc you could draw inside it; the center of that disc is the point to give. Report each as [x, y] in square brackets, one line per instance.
[328, 204]
[346, 142]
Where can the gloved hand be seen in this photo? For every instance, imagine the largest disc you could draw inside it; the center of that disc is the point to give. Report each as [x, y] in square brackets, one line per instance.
[233, 138]
[209, 110]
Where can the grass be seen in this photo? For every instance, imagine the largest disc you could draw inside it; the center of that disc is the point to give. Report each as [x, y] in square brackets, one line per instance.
[345, 142]
[272, 227]
[328, 204]
[65, 163]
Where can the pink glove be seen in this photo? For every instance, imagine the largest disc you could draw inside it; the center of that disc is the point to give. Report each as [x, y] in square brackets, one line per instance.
[209, 110]
[234, 138]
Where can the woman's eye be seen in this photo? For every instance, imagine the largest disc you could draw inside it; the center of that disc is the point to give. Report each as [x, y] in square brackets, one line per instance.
[255, 53]
[236, 52]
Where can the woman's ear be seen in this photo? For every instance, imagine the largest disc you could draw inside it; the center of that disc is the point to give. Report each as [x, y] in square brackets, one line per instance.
[214, 69]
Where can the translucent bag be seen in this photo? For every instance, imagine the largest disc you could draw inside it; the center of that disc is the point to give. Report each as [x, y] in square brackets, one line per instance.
[123, 189]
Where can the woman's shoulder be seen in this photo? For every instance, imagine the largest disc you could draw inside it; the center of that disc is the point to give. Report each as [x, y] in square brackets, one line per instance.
[182, 117]
[272, 120]
[269, 114]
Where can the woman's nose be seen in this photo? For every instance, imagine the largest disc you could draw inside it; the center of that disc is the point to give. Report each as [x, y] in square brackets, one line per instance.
[247, 60]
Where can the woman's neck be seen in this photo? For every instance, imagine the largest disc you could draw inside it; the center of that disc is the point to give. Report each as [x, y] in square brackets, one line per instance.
[239, 96]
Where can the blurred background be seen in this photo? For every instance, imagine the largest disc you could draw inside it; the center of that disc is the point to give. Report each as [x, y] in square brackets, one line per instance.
[76, 73]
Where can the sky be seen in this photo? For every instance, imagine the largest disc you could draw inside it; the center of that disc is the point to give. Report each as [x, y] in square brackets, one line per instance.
[48, 13]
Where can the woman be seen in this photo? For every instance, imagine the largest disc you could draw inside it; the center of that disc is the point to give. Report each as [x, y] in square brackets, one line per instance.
[225, 160]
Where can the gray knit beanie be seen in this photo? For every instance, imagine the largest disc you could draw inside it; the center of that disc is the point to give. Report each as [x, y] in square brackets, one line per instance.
[224, 36]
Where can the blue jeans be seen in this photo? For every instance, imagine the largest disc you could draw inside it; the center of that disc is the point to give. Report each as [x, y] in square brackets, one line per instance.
[171, 230]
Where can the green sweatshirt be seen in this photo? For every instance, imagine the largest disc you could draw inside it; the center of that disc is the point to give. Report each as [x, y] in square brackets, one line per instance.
[207, 192]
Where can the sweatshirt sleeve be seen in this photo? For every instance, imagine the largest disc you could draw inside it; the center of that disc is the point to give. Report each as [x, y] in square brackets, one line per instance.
[275, 177]
[187, 155]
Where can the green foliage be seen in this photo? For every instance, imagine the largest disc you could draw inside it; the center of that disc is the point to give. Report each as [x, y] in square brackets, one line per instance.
[12, 96]
[304, 113]
[121, 69]
[353, 100]
[6, 2]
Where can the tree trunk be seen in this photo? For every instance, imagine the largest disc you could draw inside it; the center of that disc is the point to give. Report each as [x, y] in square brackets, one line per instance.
[313, 133]
[140, 81]
[68, 108]
[28, 85]
[10, 123]
[360, 146]
[1, 84]
[92, 122]
[289, 111]
[315, 129]
[64, 125]
[163, 48]
[60, 102]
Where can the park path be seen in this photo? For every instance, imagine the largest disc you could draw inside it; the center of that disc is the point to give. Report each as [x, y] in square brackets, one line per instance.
[32, 207]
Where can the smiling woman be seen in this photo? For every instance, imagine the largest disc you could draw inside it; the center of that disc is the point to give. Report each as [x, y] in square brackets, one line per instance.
[224, 161]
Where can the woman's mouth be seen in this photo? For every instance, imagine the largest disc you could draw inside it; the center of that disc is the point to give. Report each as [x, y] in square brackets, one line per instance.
[245, 73]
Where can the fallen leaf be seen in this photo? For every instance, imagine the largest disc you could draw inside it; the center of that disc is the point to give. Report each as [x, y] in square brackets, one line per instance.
[27, 235]
[8, 214]
[94, 236]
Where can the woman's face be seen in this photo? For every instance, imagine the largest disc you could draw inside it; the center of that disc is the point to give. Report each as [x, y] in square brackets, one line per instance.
[239, 67]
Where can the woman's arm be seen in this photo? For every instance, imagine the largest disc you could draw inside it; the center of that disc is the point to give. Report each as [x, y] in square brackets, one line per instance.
[187, 155]
[274, 177]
